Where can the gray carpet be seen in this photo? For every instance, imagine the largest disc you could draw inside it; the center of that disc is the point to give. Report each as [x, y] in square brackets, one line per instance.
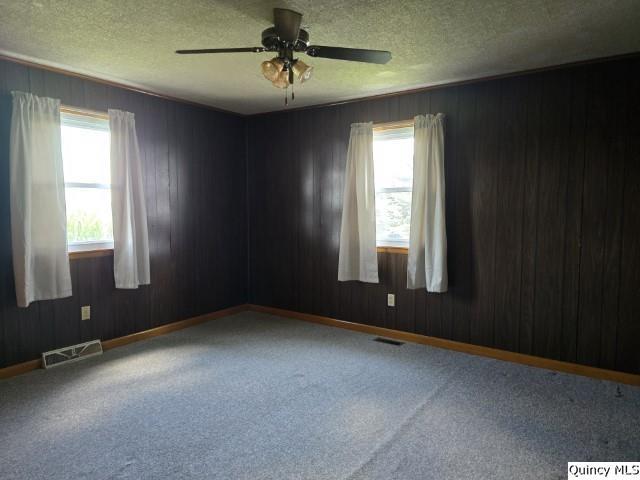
[253, 396]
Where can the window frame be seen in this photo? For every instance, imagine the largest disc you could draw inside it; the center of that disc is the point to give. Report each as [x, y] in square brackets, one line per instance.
[389, 246]
[92, 248]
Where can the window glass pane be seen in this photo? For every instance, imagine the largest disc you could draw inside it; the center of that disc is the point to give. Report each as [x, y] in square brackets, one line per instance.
[88, 215]
[393, 218]
[86, 154]
[393, 163]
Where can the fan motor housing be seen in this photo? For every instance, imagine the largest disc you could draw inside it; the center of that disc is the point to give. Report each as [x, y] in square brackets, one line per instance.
[272, 42]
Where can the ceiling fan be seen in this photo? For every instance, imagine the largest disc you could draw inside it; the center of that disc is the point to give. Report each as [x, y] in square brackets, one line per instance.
[286, 38]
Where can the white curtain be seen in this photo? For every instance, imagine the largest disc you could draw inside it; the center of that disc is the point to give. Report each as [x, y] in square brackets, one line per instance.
[427, 262]
[130, 236]
[358, 259]
[38, 217]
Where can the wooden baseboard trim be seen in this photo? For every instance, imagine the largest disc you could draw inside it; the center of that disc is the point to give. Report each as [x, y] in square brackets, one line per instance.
[530, 360]
[25, 367]
[170, 327]
[19, 369]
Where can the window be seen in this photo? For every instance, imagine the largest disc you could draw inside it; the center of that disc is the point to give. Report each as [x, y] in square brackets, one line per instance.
[393, 165]
[87, 176]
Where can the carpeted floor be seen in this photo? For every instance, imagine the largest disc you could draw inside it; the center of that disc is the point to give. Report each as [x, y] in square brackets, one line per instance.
[253, 396]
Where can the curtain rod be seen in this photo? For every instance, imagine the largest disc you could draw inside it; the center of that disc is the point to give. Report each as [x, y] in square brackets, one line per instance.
[85, 112]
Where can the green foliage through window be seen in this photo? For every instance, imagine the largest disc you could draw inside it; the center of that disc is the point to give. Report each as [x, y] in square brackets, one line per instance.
[87, 226]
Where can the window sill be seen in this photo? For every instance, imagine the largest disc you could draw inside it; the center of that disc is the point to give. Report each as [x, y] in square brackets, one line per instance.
[398, 250]
[102, 252]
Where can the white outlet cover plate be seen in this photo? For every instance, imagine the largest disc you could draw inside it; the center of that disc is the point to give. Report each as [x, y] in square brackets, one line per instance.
[391, 300]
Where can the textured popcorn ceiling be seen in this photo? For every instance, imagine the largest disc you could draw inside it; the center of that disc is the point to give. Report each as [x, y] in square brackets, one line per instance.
[431, 41]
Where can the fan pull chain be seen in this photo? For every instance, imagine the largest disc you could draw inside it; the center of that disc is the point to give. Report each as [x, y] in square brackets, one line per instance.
[286, 95]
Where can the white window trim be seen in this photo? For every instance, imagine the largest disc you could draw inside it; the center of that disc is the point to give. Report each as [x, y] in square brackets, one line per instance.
[104, 186]
[73, 247]
[394, 190]
[384, 242]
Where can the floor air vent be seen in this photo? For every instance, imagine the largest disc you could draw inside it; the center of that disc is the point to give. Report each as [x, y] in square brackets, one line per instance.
[71, 354]
[388, 340]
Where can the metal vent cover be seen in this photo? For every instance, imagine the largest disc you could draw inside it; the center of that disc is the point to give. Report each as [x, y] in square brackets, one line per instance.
[70, 354]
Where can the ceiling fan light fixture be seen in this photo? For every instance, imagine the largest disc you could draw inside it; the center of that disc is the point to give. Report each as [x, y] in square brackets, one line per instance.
[302, 71]
[286, 39]
[282, 80]
[271, 68]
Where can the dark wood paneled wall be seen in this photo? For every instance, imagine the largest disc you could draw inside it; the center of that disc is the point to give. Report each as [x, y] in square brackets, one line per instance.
[543, 223]
[543, 180]
[195, 178]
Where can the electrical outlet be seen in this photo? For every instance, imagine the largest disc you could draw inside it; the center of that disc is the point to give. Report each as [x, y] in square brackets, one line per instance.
[85, 312]
[391, 300]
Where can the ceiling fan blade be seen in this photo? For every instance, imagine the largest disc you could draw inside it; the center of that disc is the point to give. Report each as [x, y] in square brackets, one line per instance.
[351, 54]
[287, 24]
[222, 50]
